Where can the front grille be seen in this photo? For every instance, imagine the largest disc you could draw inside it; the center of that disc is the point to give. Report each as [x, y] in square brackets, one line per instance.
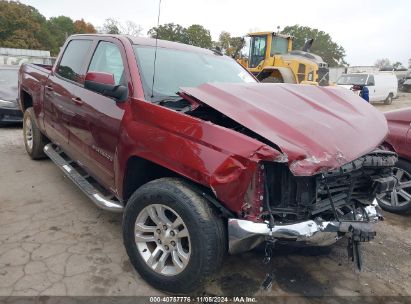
[295, 198]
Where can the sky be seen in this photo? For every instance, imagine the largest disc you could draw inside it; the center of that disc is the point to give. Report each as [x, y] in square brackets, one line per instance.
[368, 30]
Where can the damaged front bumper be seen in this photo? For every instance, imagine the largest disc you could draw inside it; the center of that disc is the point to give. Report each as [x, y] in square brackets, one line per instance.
[245, 235]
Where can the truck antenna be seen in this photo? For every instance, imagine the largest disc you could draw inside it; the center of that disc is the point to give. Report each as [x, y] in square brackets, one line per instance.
[155, 51]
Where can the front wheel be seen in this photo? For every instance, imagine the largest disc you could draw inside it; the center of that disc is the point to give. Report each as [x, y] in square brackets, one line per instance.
[388, 101]
[399, 200]
[172, 236]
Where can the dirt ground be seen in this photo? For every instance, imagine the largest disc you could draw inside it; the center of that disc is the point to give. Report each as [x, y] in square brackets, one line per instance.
[54, 241]
[402, 101]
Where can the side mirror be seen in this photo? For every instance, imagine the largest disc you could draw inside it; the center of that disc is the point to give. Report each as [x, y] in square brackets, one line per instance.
[104, 84]
[371, 83]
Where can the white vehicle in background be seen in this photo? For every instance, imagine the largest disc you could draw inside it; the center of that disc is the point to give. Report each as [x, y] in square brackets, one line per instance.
[382, 86]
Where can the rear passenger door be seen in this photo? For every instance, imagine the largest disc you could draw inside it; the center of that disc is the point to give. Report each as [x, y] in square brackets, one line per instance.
[59, 89]
[96, 126]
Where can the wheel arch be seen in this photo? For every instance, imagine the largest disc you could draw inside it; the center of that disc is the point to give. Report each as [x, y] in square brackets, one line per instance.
[285, 73]
[26, 100]
[152, 171]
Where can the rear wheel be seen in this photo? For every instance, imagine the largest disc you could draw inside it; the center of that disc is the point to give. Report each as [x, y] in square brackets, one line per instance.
[34, 140]
[172, 236]
[399, 200]
[272, 79]
[388, 101]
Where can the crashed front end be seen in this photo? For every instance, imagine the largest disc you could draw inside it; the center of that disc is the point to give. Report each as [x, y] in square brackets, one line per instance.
[318, 209]
[316, 177]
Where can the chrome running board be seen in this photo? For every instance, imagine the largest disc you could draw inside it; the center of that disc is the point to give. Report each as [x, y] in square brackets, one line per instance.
[82, 181]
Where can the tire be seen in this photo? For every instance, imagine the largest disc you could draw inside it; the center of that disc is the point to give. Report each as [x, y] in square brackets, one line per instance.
[402, 203]
[205, 245]
[34, 140]
[272, 79]
[388, 100]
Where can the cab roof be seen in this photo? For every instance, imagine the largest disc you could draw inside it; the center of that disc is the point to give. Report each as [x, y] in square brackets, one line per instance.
[270, 33]
[145, 41]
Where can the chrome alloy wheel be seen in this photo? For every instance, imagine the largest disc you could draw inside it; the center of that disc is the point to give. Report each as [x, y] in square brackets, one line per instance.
[28, 133]
[401, 195]
[162, 239]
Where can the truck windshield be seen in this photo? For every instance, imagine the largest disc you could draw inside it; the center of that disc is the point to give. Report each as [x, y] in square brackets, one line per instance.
[257, 50]
[351, 79]
[176, 69]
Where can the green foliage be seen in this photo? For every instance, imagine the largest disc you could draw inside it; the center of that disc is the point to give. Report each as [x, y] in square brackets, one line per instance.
[323, 45]
[59, 28]
[169, 31]
[22, 26]
[195, 34]
[199, 36]
[231, 46]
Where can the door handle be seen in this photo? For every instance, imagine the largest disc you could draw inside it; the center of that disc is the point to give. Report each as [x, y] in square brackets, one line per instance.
[49, 88]
[77, 100]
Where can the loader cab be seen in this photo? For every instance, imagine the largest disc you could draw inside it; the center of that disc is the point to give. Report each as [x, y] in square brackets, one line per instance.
[267, 44]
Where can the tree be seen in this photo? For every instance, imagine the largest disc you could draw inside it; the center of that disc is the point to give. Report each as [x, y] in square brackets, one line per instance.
[397, 65]
[131, 28]
[199, 36]
[60, 28]
[323, 45]
[82, 27]
[231, 46]
[169, 31]
[21, 26]
[224, 41]
[383, 62]
[111, 26]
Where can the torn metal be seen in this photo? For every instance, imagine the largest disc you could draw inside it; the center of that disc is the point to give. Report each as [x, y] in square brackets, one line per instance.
[317, 128]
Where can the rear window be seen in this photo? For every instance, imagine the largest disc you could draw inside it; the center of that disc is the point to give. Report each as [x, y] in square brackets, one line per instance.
[73, 59]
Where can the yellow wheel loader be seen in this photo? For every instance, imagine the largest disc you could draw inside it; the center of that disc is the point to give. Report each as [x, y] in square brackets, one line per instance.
[271, 58]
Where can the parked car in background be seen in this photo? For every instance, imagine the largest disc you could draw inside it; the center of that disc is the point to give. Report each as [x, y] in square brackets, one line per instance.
[382, 86]
[9, 107]
[399, 139]
[404, 84]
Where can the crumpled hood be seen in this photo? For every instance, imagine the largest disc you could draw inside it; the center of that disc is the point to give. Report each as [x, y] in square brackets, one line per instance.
[316, 128]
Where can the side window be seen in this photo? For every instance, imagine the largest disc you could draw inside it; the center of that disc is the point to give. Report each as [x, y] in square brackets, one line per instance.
[73, 58]
[371, 81]
[107, 58]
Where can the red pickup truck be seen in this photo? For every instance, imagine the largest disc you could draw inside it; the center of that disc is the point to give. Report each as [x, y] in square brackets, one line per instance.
[202, 158]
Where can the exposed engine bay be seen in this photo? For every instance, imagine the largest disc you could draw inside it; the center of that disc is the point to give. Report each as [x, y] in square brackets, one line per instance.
[333, 195]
